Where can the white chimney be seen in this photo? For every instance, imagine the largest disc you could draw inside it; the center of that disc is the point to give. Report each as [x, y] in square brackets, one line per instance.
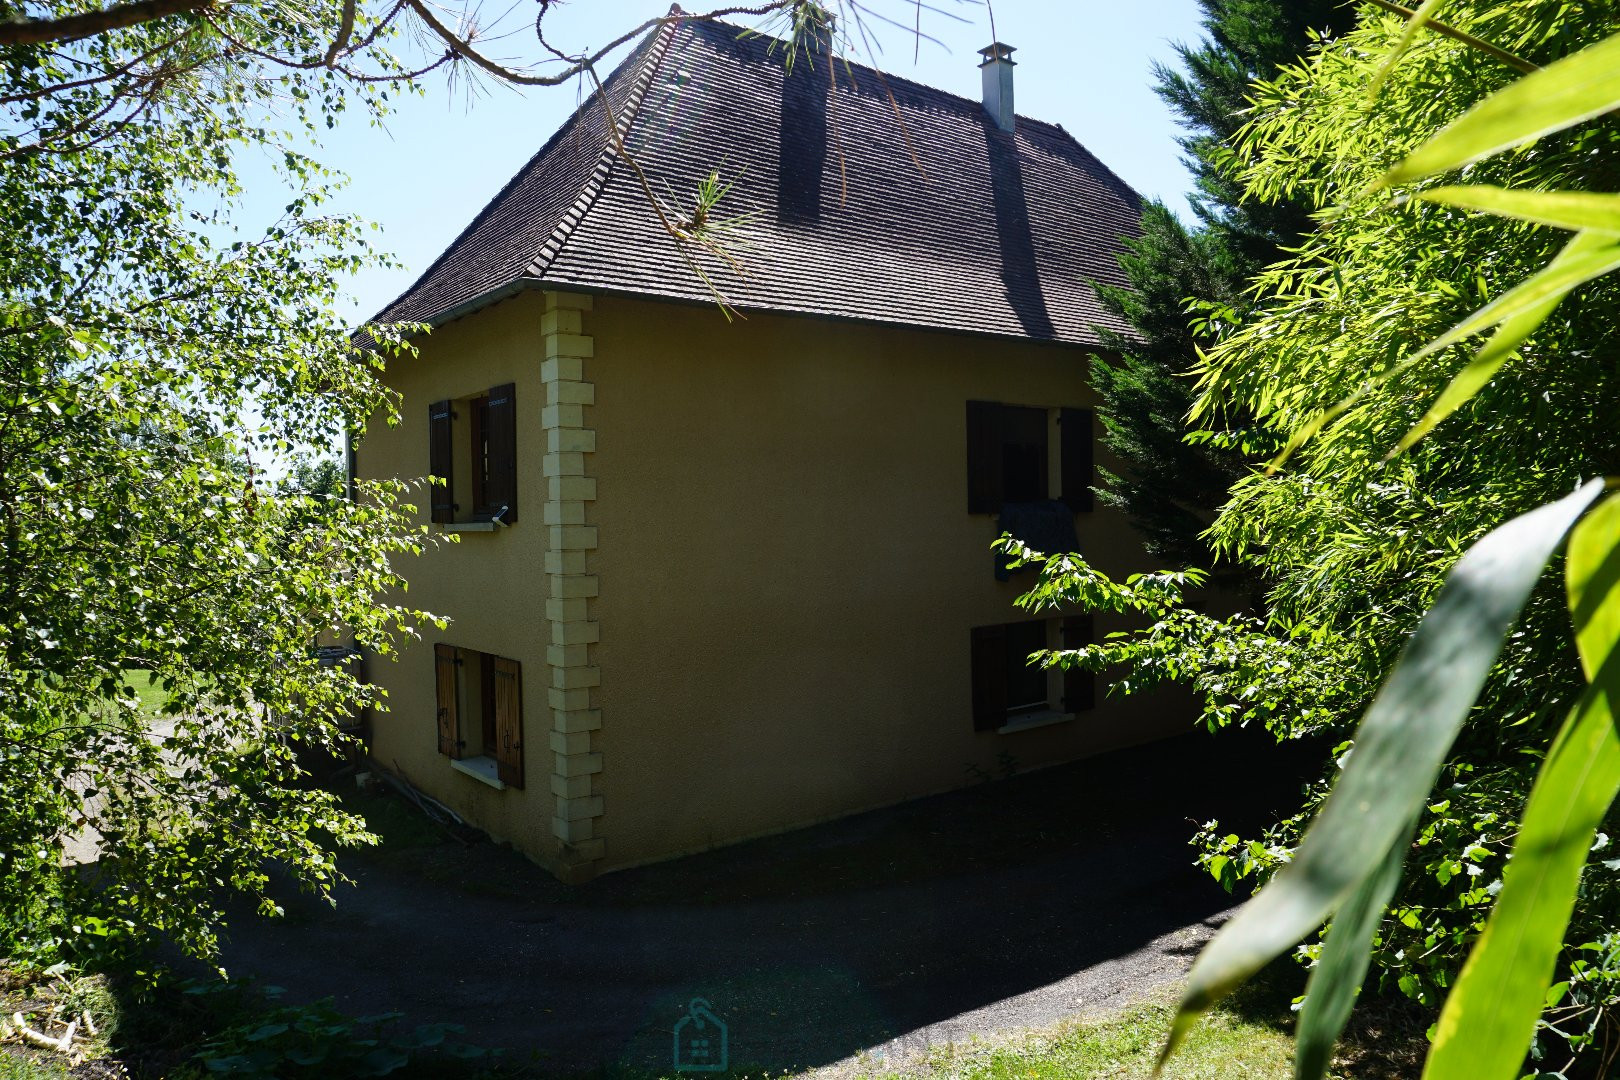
[998, 83]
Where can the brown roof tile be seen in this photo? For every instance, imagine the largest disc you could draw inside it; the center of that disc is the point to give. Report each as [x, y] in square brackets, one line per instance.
[868, 197]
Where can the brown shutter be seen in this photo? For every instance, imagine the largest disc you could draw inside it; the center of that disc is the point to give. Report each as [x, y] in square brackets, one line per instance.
[444, 668]
[1079, 685]
[509, 721]
[441, 497]
[983, 457]
[501, 418]
[989, 667]
[1076, 455]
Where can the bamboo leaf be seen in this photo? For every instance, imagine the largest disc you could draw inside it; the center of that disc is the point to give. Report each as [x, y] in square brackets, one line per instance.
[1593, 578]
[1508, 337]
[1419, 19]
[1552, 282]
[1490, 1017]
[1339, 972]
[1399, 748]
[1561, 209]
[1560, 95]
[1524, 307]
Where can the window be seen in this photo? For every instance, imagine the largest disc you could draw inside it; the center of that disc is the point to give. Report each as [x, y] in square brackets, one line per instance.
[480, 713]
[1008, 453]
[1006, 686]
[482, 485]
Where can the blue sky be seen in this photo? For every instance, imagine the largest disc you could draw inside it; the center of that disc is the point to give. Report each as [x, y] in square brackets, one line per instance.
[1085, 64]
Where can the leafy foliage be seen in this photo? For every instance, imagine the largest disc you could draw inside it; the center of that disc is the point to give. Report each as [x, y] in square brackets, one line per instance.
[1171, 487]
[1357, 535]
[152, 359]
[318, 1040]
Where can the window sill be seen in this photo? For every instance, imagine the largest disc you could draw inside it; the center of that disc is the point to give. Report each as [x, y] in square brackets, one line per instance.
[1027, 721]
[468, 526]
[482, 769]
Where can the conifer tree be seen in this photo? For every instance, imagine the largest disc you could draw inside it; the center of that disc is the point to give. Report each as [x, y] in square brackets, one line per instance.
[1169, 487]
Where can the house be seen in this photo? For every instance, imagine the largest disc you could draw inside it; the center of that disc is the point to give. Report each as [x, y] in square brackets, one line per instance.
[718, 578]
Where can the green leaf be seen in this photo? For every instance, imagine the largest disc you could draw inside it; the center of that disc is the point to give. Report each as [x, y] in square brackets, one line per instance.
[1508, 337]
[1593, 580]
[1518, 311]
[1549, 284]
[1576, 210]
[1339, 972]
[1560, 95]
[1420, 18]
[381, 1062]
[1490, 1017]
[1399, 748]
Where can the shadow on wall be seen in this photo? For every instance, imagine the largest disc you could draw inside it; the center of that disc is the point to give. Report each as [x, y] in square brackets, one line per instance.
[1021, 901]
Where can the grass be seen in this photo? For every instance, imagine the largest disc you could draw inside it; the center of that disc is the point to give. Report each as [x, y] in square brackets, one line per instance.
[47, 1003]
[399, 825]
[1249, 1037]
[21, 1068]
[1227, 1045]
[151, 697]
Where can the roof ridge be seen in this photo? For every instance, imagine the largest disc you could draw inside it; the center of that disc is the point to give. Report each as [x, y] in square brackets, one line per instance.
[609, 156]
[885, 77]
[568, 128]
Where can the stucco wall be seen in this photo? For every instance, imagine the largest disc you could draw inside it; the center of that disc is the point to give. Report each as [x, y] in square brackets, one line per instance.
[490, 584]
[789, 573]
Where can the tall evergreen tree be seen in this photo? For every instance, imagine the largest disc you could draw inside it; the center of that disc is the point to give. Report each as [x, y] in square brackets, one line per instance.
[1169, 487]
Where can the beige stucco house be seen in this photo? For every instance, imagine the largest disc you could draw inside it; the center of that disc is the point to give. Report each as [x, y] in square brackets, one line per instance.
[717, 578]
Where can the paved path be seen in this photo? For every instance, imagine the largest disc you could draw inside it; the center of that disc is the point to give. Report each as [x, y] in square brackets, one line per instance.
[982, 912]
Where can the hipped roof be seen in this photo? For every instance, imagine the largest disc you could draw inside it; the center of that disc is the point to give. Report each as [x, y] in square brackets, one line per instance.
[862, 196]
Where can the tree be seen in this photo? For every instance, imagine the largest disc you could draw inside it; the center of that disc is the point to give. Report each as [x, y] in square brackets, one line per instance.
[155, 363]
[1171, 487]
[1402, 457]
[323, 477]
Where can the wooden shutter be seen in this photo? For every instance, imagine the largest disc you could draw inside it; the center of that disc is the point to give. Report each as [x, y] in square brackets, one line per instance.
[1075, 454]
[989, 667]
[441, 497]
[444, 668]
[500, 489]
[983, 457]
[509, 721]
[1079, 685]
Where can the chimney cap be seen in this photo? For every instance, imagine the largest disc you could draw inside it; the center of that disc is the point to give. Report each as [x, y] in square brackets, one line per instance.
[997, 51]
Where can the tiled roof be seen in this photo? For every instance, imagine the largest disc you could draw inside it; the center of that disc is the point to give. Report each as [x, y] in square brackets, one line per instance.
[867, 197]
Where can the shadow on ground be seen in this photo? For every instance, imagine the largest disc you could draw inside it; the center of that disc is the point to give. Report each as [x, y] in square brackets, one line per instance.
[1008, 905]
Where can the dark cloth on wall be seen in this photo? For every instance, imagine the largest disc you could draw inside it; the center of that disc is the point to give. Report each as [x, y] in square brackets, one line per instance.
[1047, 526]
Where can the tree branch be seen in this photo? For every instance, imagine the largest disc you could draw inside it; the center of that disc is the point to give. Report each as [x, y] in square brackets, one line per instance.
[463, 46]
[71, 27]
[345, 32]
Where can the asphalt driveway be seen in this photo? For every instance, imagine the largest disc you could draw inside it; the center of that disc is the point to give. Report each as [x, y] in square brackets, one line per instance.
[978, 913]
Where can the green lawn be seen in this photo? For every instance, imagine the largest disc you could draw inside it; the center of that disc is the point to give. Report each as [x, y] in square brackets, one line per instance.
[1251, 1037]
[1228, 1045]
[152, 697]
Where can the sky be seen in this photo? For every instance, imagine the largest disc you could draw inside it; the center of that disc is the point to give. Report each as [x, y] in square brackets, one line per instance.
[1085, 64]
